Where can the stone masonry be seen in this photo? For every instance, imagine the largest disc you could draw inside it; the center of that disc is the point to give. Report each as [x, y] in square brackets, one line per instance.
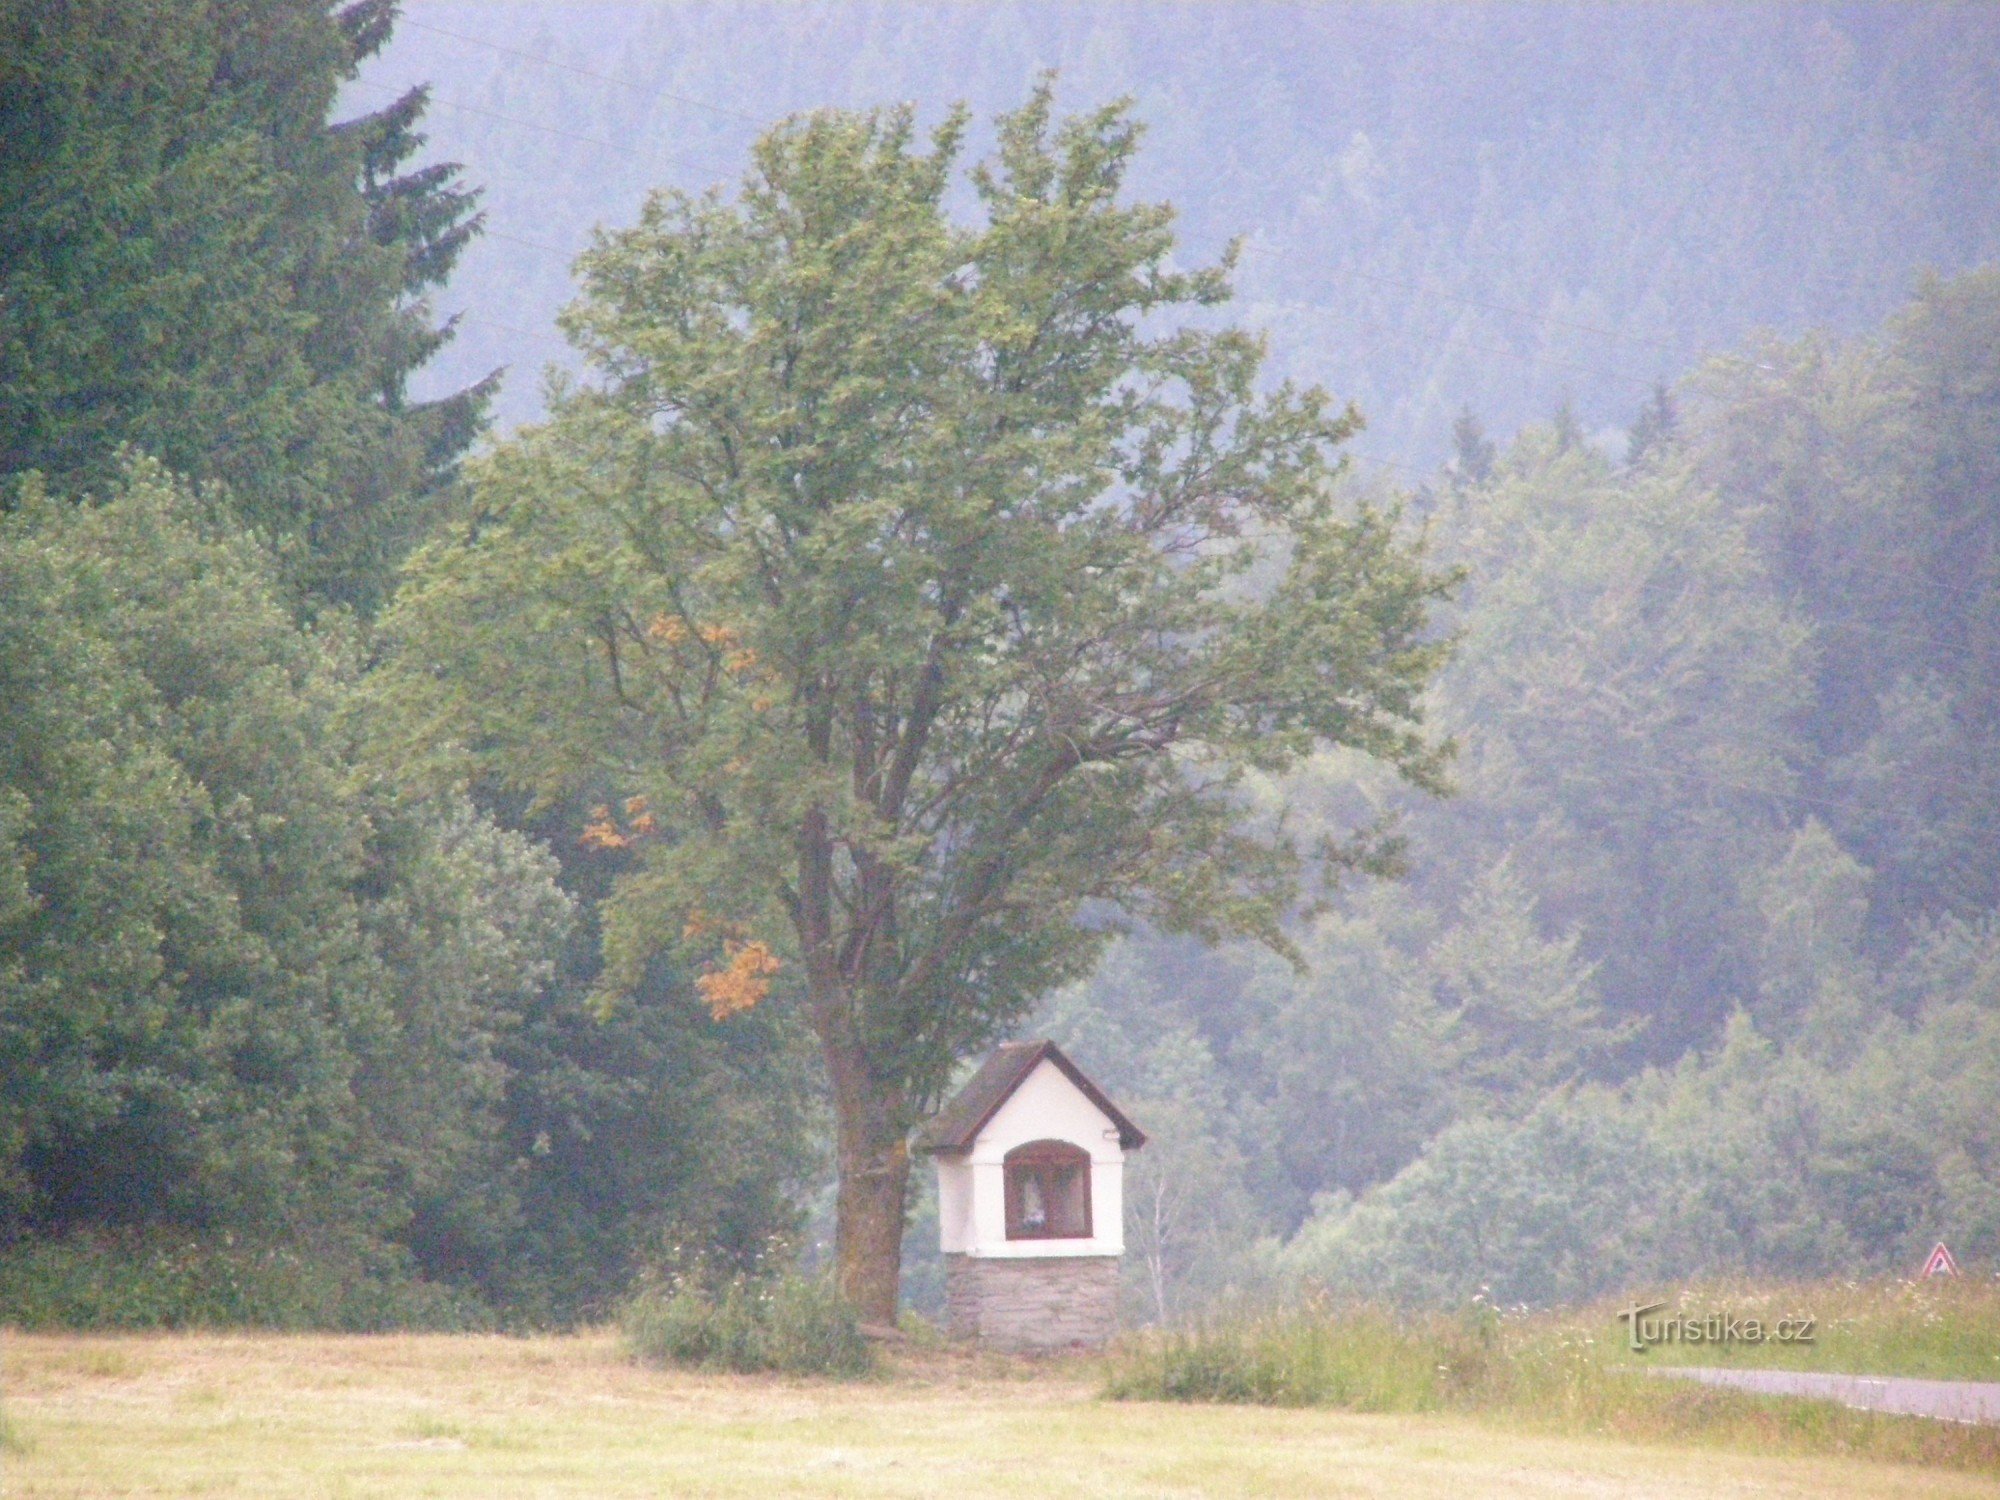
[1039, 1302]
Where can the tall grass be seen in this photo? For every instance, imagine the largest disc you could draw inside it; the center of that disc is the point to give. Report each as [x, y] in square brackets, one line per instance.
[11, 1438]
[1942, 1329]
[1566, 1372]
[790, 1324]
[1354, 1356]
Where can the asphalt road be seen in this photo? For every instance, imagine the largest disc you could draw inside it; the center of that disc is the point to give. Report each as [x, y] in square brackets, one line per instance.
[1951, 1400]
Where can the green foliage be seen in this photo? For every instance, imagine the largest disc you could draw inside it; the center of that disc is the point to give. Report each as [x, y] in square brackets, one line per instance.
[1519, 1012]
[1814, 902]
[240, 984]
[1624, 690]
[244, 986]
[192, 260]
[906, 602]
[1753, 1160]
[166, 1280]
[1655, 429]
[791, 1324]
[1559, 1207]
[892, 579]
[649, 1126]
[1867, 467]
[1712, 767]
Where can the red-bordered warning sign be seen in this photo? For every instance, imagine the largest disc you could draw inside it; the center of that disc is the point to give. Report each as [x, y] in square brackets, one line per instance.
[1940, 1263]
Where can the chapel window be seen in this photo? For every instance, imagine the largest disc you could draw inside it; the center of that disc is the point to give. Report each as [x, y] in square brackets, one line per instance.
[1048, 1191]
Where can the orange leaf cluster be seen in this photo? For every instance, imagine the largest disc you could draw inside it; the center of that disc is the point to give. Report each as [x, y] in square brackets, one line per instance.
[737, 657]
[741, 982]
[602, 832]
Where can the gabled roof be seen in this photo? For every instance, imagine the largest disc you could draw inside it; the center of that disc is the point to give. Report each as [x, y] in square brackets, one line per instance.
[957, 1125]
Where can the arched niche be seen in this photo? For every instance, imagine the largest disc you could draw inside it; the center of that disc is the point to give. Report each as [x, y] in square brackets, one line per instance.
[1048, 1191]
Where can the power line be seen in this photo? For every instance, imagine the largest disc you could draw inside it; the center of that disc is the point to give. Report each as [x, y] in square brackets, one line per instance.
[549, 62]
[568, 135]
[1515, 355]
[1521, 312]
[1803, 799]
[549, 337]
[515, 239]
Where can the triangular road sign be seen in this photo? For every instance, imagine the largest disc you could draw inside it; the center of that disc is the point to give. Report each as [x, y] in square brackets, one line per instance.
[1940, 1263]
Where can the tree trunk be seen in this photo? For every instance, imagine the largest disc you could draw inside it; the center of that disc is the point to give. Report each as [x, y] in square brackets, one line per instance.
[874, 1187]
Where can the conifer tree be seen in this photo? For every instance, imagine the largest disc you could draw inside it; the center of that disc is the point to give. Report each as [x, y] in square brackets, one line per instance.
[1473, 451]
[1655, 428]
[195, 262]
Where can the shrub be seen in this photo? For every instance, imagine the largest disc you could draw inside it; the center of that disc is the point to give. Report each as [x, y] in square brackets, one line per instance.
[153, 1280]
[791, 1324]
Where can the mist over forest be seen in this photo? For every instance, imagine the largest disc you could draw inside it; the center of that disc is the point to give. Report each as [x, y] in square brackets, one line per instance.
[1675, 331]
[1494, 207]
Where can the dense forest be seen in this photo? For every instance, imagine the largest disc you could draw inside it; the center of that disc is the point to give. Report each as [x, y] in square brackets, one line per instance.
[1676, 354]
[1494, 206]
[1697, 969]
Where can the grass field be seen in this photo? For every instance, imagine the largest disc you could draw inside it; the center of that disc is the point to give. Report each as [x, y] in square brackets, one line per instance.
[474, 1416]
[1571, 1372]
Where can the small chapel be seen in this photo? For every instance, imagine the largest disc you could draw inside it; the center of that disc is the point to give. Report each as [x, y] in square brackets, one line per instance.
[1030, 1161]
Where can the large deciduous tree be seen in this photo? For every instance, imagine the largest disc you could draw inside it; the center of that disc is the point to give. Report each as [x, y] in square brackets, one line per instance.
[918, 590]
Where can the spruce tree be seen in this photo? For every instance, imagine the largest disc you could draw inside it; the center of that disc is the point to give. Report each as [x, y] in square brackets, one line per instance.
[193, 260]
[1656, 427]
[1473, 451]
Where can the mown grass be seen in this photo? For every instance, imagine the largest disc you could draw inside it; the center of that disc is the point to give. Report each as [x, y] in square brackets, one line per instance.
[285, 1417]
[1571, 1372]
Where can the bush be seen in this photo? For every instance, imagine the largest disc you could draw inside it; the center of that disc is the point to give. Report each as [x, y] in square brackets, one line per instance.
[113, 1281]
[1568, 1204]
[790, 1324]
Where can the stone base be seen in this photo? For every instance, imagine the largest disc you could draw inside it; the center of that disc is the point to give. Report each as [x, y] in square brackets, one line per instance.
[1037, 1302]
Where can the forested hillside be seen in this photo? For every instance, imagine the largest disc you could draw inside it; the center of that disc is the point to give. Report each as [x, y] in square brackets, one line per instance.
[367, 952]
[1444, 206]
[1699, 968]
